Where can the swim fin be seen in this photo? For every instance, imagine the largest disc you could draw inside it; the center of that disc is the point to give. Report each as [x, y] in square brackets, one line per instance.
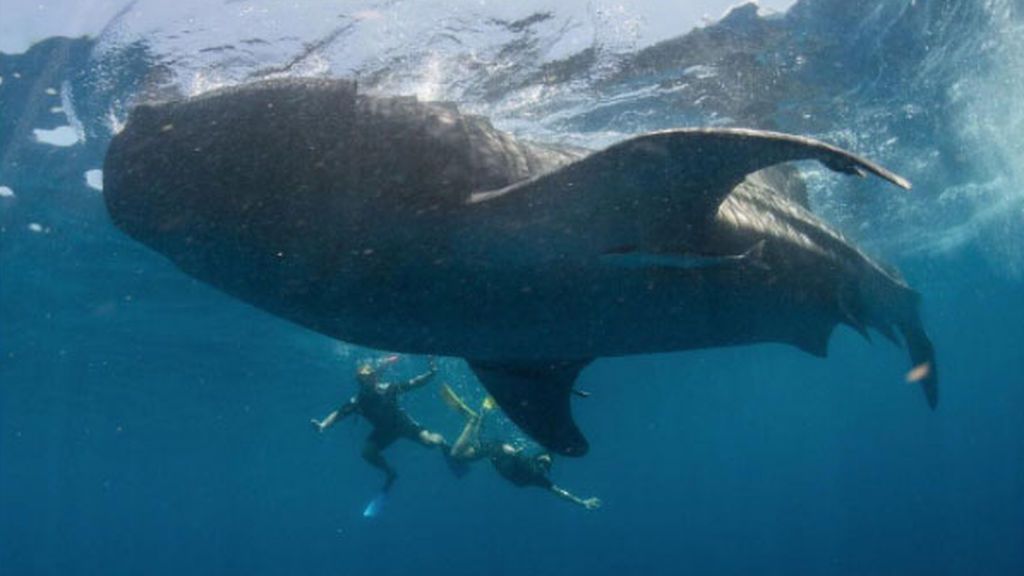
[455, 402]
[375, 506]
[487, 405]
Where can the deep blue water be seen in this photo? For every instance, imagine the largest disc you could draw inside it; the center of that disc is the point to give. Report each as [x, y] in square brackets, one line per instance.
[152, 425]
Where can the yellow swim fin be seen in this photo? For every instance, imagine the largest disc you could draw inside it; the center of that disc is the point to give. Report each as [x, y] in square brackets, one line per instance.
[488, 404]
[454, 402]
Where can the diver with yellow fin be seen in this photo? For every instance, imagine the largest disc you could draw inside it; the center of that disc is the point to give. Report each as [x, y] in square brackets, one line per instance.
[511, 462]
[377, 401]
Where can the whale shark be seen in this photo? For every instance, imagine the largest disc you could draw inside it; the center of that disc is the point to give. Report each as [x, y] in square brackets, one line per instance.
[408, 226]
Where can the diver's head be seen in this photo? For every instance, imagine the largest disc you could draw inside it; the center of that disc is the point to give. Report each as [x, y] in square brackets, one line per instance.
[366, 375]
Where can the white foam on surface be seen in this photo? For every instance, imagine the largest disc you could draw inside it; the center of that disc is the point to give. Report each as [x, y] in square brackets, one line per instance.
[62, 136]
[68, 105]
[114, 122]
[94, 179]
[6, 192]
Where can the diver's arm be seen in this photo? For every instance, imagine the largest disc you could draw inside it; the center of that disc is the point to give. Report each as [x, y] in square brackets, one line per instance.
[420, 380]
[333, 417]
[588, 503]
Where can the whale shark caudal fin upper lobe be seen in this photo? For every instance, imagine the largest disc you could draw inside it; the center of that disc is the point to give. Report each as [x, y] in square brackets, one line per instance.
[535, 396]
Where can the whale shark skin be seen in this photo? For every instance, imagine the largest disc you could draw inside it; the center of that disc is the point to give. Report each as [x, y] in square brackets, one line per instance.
[409, 226]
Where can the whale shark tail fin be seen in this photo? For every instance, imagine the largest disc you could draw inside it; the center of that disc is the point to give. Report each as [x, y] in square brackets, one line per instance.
[535, 396]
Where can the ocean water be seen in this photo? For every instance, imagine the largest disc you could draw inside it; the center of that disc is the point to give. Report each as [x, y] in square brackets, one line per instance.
[150, 424]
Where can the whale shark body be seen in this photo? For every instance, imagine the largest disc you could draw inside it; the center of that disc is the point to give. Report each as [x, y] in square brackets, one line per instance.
[408, 226]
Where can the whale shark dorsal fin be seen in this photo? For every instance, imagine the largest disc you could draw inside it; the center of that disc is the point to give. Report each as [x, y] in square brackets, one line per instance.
[535, 396]
[695, 168]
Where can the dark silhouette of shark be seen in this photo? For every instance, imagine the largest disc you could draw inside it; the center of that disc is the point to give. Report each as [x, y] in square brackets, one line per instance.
[407, 226]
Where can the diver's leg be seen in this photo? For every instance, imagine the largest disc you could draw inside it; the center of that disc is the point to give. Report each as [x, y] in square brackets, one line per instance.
[468, 444]
[459, 465]
[372, 454]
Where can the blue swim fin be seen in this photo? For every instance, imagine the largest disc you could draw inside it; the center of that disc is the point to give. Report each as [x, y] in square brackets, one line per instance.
[376, 506]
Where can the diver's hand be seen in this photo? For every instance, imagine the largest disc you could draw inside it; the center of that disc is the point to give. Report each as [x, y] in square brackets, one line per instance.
[317, 424]
[592, 503]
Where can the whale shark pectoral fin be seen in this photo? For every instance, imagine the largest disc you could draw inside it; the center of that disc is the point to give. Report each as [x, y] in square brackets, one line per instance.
[692, 170]
[535, 396]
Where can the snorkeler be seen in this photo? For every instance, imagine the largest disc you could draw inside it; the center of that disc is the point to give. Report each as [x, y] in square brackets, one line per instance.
[377, 401]
[510, 461]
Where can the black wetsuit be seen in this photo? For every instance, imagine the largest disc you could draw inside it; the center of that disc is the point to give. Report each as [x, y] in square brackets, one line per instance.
[379, 405]
[519, 468]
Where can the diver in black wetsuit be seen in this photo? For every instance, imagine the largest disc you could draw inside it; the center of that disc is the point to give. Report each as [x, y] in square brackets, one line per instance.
[377, 401]
[511, 462]
[522, 469]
